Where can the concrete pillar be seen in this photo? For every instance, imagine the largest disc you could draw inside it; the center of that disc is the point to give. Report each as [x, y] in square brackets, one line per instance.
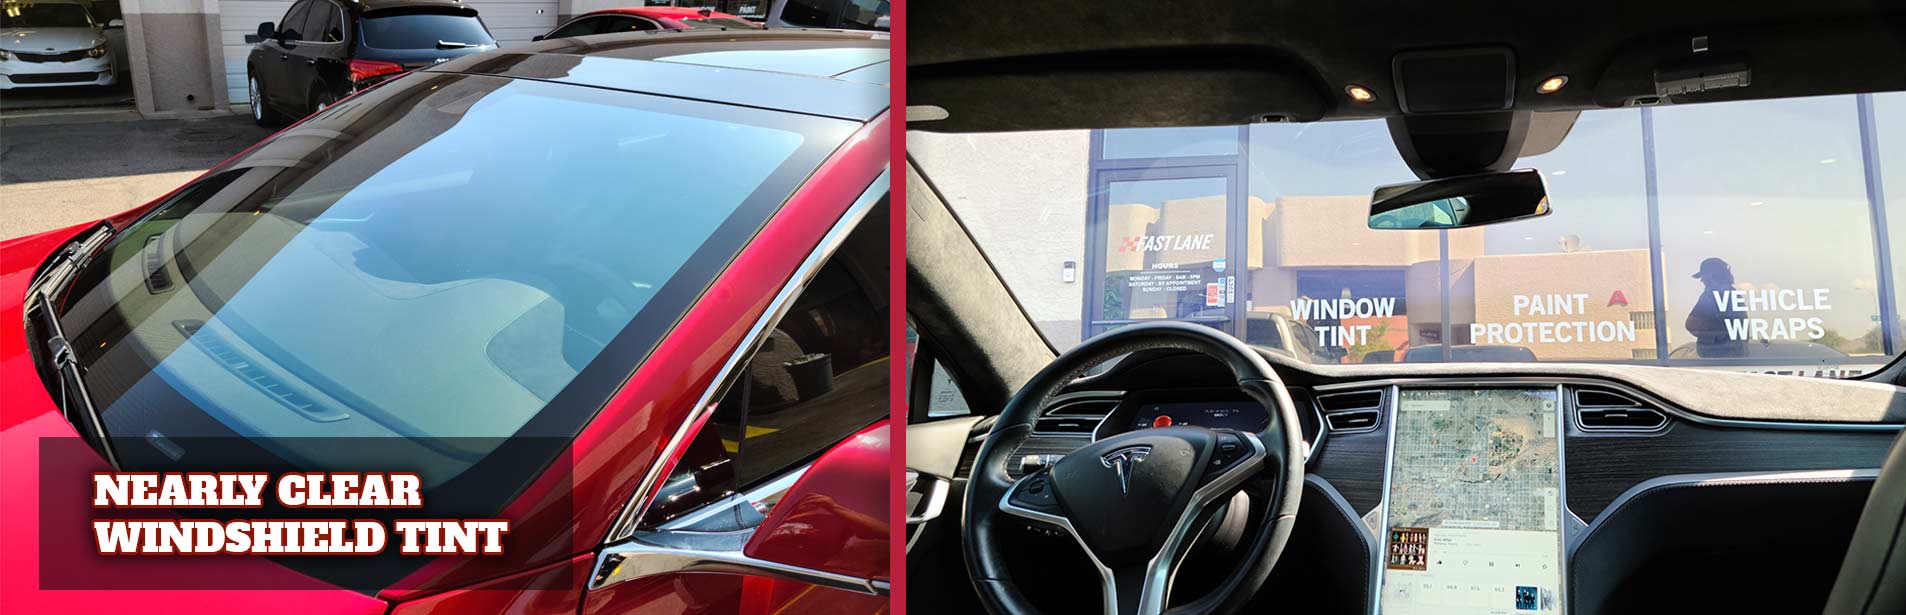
[173, 47]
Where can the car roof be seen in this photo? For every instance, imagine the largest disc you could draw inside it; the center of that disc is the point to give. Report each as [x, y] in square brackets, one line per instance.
[378, 5]
[676, 12]
[833, 73]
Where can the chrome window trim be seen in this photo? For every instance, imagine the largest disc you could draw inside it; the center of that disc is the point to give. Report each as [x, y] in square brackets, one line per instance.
[642, 557]
[639, 502]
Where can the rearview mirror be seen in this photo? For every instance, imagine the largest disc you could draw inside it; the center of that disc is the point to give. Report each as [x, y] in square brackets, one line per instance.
[1460, 202]
[114, 24]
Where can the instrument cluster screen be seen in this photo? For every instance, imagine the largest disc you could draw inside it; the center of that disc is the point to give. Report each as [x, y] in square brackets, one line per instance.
[1239, 415]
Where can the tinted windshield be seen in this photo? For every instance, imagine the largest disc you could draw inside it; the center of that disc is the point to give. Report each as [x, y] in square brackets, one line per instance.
[1752, 236]
[446, 259]
[417, 30]
[44, 16]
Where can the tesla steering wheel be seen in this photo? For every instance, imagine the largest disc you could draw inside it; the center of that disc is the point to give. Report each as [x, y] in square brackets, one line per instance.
[1134, 500]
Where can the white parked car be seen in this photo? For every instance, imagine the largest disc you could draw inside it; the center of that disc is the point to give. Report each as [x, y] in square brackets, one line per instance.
[50, 43]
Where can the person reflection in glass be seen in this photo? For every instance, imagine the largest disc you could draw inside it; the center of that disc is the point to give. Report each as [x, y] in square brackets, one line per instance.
[1708, 320]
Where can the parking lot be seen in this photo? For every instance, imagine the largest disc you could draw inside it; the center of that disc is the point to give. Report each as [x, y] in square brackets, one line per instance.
[61, 170]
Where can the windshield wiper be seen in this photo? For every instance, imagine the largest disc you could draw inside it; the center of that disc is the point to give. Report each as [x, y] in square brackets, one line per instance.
[443, 44]
[72, 383]
[52, 281]
[73, 256]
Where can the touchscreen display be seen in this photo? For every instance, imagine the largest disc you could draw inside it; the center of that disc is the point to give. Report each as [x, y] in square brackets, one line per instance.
[1472, 523]
[1239, 415]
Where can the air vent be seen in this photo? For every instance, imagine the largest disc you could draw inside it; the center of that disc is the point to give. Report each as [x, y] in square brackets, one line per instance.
[1094, 408]
[1354, 420]
[1082, 425]
[1621, 419]
[1353, 411]
[259, 378]
[1350, 401]
[1608, 411]
[1592, 398]
[156, 279]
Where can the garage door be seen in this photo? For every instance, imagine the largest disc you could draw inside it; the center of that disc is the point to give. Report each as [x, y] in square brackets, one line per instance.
[512, 22]
[237, 18]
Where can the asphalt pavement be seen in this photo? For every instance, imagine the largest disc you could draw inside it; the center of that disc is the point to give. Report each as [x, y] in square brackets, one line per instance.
[64, 172]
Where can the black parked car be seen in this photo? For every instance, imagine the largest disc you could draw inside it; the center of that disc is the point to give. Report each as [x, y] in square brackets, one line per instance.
[326, 49]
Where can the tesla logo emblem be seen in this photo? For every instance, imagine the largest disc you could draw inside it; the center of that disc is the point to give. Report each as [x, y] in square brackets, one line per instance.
[1122, 461]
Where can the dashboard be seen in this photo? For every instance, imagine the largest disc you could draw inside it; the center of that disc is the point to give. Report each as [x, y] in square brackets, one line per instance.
[1576, 492]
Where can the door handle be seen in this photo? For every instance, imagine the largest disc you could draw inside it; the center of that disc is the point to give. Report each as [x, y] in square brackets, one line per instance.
[284, 57]
[311, 61]
[928, 494]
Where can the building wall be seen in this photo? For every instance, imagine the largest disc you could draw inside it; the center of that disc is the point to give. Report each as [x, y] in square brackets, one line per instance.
[173, 46]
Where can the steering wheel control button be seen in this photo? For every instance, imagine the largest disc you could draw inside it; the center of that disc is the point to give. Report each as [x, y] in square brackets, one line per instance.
[1034, 463]
[1035, 493]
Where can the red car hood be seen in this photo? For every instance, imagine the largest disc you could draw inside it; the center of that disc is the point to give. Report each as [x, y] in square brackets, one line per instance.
[28, 417]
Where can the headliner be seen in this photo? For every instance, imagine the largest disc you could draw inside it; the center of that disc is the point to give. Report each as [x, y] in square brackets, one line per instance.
[1000, 65]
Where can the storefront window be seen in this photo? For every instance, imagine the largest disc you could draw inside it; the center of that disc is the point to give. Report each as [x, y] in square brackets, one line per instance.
[1766, 235]
[1575, 285]
[1888, 133]
[1170, 142]
[1323, 286]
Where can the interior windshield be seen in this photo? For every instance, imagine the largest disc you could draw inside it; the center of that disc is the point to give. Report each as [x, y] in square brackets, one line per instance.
[25, 15]
[1748, 236]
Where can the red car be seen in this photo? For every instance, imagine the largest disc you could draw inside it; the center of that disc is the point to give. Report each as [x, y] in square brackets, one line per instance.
[645, 18]
[630, 294]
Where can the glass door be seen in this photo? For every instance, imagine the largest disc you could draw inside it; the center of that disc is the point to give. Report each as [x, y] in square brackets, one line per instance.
[1161, 247]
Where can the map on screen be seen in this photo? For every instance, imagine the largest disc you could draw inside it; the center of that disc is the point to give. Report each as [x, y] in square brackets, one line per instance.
[1473, 511]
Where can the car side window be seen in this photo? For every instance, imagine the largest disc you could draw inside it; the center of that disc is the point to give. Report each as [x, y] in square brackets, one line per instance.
[291, 28]
[863, 13]
[818, 377]
[612, 25]
[323, 23]
[580, 27]
[812, 13]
